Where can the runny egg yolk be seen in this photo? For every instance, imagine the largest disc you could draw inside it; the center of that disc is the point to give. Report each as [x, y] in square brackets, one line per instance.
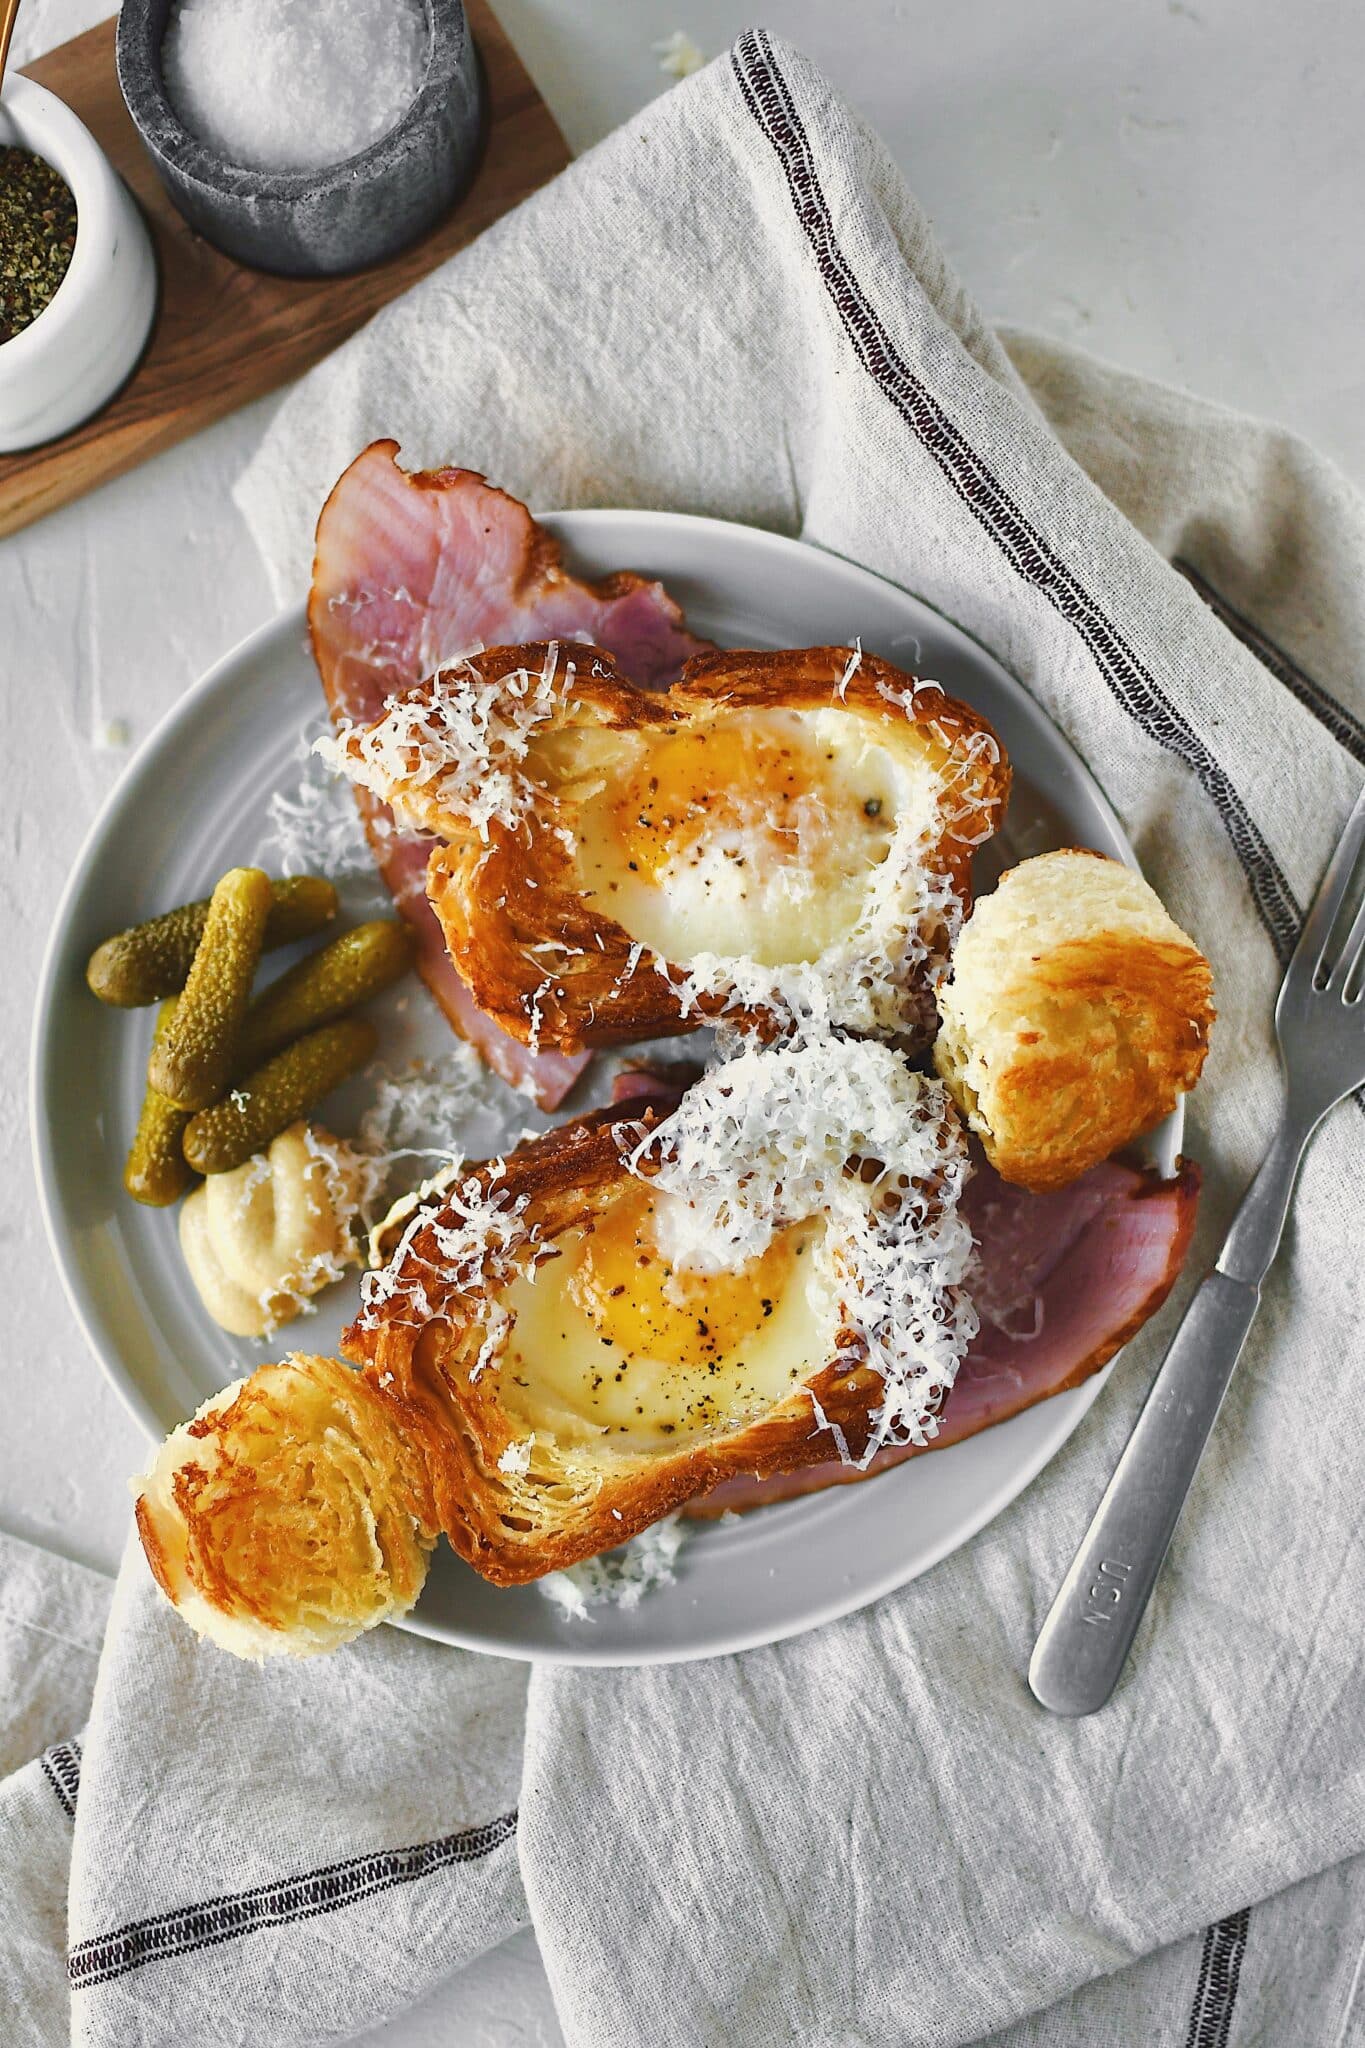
[613, 1339]
[647, 1308]
[759, 789]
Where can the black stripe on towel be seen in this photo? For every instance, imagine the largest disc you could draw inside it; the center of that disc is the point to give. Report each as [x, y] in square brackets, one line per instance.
[1345, 728]
[62, 1769]
[1215, 1995]
[1132, 684]
[179, 1933]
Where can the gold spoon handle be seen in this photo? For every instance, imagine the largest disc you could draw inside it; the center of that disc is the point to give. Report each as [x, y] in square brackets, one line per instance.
[8, 10]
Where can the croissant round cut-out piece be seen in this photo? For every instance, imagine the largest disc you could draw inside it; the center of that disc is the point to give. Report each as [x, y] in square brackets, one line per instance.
[1076, 1014]
[289, 1515]
[778, 837]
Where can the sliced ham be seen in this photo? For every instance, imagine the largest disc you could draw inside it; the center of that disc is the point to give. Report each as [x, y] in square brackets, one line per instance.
[665, 1085]
[414, 569]
[1065, 1279]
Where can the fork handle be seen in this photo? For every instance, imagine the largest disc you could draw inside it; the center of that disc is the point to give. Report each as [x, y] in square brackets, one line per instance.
[1089, 1631]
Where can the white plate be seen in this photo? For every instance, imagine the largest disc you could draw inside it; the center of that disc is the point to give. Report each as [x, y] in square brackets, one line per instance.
[193, 803]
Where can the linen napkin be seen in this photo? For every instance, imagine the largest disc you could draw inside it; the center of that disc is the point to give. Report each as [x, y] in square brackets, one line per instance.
[870, 1834]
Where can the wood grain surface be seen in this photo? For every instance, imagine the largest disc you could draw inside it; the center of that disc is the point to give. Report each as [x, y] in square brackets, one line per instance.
[225, 335]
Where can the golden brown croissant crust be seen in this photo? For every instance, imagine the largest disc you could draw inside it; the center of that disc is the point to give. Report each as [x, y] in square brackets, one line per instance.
[1077, 1013]
[289, 1514]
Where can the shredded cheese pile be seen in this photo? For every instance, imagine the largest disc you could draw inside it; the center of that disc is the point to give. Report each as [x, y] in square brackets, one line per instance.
[315, 828]
[419, 1127]
[678, 55]
[482, 1241]
[846, 1131]
[426, 1115]
[618, 1578]
[460, 740]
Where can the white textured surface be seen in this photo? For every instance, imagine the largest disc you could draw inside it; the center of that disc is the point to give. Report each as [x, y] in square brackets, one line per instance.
[1174, 184]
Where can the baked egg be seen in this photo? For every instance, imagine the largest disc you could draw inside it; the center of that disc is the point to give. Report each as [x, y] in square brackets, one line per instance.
[624, 1311]
[750, 834]
[615, 1339]
[778, 837]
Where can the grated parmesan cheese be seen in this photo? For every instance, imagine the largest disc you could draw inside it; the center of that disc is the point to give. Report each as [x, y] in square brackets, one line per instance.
[482, 1242]
[424, 1111]
[315, 828]
[678, 55]
[619, 1578]
[460, 740]
[765, 1140]
[414, 1137]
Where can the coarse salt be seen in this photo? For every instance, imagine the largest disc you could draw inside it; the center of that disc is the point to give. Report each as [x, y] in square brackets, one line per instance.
[293, 85]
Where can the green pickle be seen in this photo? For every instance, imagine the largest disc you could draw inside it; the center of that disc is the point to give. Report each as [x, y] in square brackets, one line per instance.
[157, 1171]
[324, 986]
[194, 1062]
[153, 960]
[276, 1095]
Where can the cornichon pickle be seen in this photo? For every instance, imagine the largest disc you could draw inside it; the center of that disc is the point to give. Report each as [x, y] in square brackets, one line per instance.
[276, 1095]
[193, 1064]
[152, 960]
[323, 986]
[157, 1171]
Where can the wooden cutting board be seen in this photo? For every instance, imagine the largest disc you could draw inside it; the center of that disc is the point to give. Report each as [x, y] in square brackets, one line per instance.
[225, 335]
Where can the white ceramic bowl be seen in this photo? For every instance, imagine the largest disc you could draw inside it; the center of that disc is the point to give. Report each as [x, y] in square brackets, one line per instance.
[68, 362]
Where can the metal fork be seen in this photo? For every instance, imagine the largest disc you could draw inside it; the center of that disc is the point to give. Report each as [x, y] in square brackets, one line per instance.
[1320, 1026]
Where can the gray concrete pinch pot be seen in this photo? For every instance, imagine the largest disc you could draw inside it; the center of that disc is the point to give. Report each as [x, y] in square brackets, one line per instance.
[316, 223]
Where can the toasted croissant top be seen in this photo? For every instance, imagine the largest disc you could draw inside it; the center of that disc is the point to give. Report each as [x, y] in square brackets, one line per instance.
[1077, 1012]
[289, 1515]
[781, 835]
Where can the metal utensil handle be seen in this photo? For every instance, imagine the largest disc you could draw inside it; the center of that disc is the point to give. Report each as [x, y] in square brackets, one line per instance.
[1089, 1631]
[9, 10]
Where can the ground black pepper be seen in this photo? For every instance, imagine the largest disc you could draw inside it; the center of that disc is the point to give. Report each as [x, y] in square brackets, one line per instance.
[37, 236]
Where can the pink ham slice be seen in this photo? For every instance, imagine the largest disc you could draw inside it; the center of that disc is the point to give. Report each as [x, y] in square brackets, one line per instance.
[1066, 1278]
[665, 1086]
[412, 569]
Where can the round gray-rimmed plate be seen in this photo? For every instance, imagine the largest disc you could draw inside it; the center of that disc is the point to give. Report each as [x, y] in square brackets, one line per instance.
[193, 803]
